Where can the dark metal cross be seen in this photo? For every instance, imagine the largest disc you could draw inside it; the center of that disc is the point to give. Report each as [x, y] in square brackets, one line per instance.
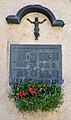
[36, 28]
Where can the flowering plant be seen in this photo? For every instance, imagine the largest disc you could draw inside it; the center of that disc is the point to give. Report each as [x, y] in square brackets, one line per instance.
[31, 96]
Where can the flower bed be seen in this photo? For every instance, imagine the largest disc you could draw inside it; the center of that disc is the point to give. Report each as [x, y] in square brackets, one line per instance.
[31, 96]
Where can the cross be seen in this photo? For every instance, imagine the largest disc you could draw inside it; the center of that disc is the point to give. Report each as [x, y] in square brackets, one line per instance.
[36, 28]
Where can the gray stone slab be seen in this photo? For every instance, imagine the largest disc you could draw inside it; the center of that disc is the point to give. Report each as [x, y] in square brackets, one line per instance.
[35, 62]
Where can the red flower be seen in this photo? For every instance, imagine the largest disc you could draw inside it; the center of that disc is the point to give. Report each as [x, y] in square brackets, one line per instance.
[19, 94]
[30, 89]
[34, 89]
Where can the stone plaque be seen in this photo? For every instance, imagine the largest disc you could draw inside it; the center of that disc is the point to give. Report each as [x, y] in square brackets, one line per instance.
[35, 62]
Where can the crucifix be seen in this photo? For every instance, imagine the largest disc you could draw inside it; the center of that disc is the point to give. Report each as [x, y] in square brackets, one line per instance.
[36, 28]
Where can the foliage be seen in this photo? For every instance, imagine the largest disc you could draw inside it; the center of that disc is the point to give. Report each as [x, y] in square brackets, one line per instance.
[31, 96]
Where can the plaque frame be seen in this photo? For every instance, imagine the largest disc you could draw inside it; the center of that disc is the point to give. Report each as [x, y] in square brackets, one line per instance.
[13, 55]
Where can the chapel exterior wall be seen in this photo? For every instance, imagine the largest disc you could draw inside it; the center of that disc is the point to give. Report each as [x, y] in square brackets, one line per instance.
[24, 34]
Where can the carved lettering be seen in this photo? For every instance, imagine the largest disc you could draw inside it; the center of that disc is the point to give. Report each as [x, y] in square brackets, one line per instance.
[38, 62]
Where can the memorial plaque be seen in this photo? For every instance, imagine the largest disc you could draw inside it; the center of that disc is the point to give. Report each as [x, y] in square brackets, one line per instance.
[35, 62]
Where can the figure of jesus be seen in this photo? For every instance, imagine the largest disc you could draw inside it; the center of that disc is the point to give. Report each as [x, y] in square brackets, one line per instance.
[36, 28]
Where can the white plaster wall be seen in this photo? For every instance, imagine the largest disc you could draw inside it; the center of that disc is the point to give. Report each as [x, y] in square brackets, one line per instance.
[22, 34]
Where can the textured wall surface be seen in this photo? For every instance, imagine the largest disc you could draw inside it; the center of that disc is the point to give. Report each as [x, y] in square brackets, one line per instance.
[23, 34]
